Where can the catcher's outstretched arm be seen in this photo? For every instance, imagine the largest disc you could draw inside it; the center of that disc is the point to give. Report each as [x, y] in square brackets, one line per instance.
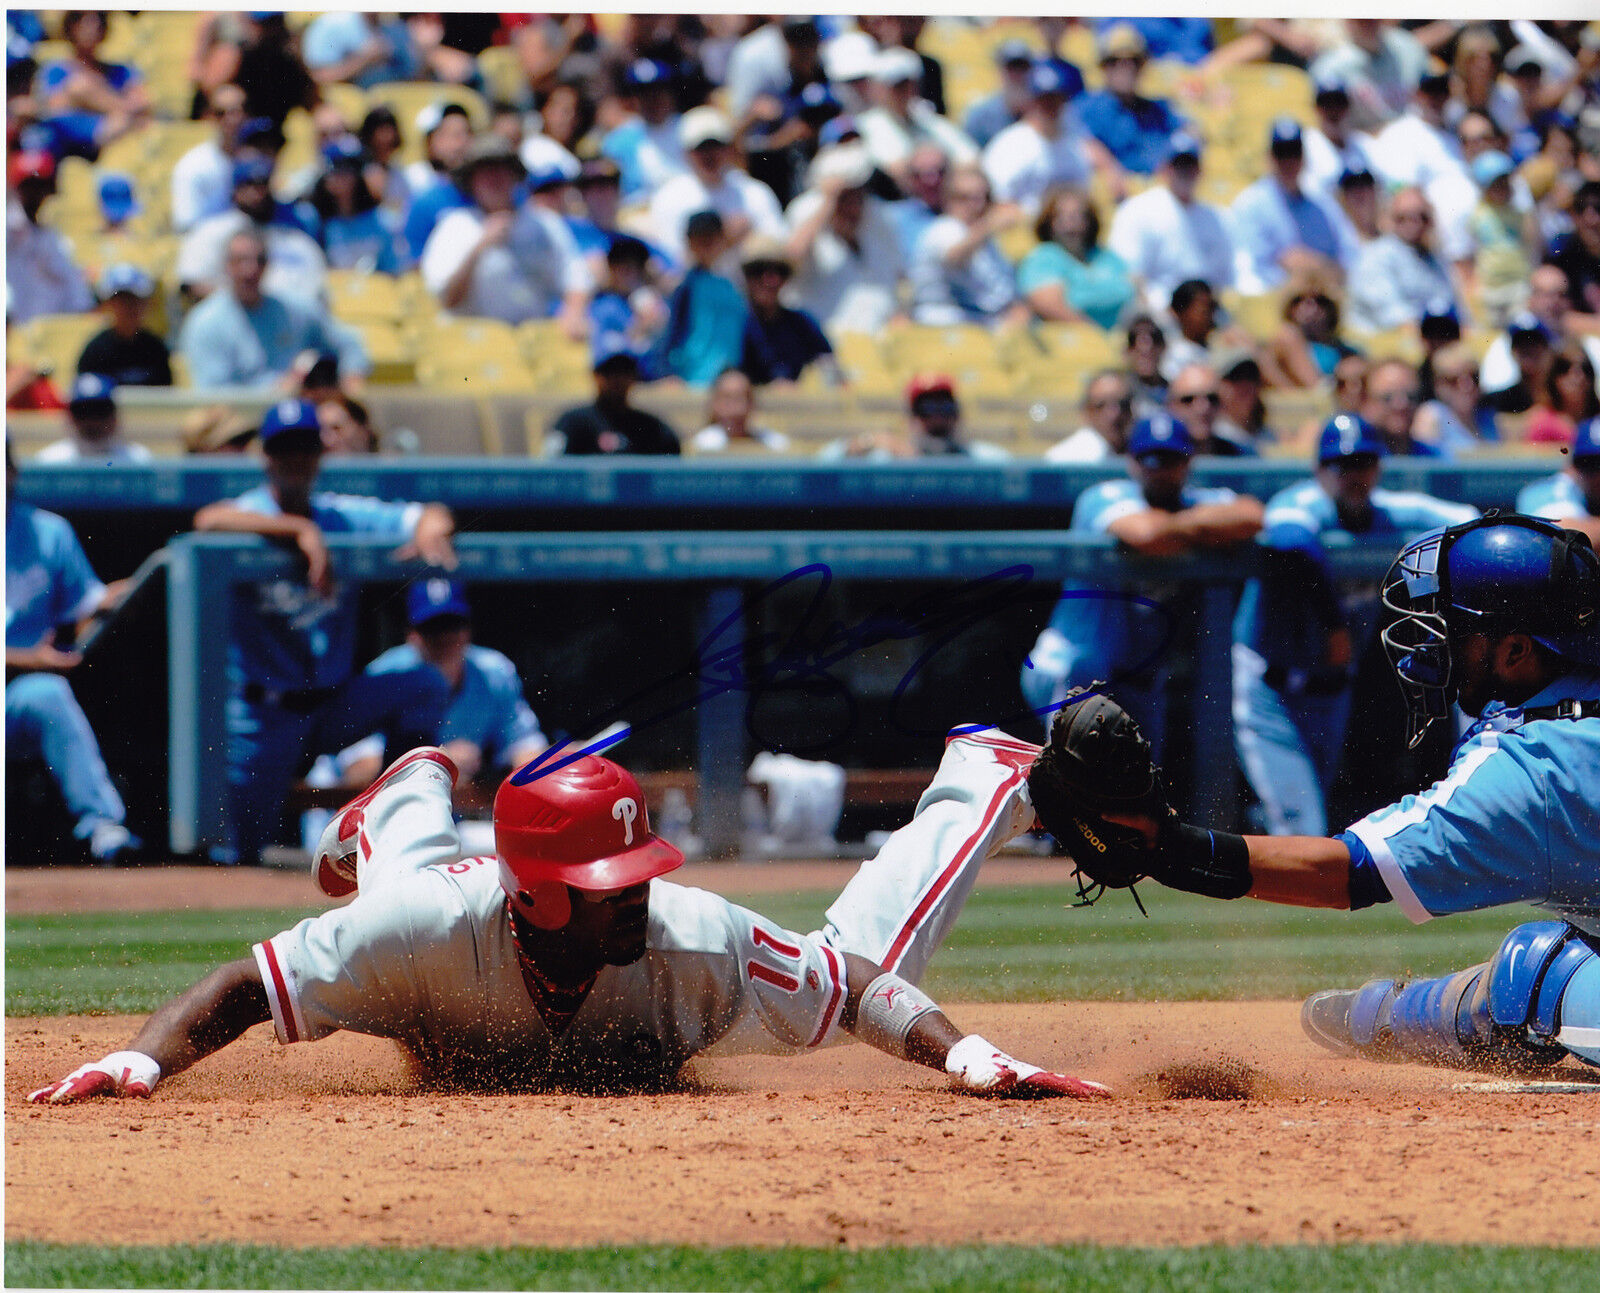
[1299, 870]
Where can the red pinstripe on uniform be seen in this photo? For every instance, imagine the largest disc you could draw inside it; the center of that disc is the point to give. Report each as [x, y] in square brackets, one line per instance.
[280, 988]
[1008, 748]
[836, 969]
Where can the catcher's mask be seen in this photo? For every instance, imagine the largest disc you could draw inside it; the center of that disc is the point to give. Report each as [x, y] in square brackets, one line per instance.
[1497, 574]
[584, 825]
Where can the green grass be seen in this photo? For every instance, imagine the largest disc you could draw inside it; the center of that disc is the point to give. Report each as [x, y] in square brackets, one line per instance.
[1412, 1269]
[1019, 944]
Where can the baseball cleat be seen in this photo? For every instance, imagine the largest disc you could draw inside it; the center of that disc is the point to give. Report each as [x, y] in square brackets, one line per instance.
[1352, 1021]
[333, 865]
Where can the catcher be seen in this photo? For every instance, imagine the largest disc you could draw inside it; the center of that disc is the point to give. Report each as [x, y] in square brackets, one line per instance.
[1500, 615]
[567, 958]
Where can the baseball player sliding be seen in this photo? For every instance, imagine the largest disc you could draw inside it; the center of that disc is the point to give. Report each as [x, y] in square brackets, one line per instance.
[568, 958]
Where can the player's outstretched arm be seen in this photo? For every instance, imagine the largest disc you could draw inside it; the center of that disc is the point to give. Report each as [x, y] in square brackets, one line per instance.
[189, 1027]
[898, 1018]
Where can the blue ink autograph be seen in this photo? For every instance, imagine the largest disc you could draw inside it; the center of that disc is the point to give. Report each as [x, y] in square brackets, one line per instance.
[802, 657]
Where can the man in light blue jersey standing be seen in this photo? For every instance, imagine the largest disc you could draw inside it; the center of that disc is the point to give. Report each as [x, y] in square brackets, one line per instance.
[1300, 633]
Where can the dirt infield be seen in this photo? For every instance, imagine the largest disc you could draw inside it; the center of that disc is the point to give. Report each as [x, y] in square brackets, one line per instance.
[1228, 1126]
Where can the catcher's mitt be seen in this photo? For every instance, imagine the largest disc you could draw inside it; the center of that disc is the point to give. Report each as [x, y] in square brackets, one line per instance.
[1097, 765]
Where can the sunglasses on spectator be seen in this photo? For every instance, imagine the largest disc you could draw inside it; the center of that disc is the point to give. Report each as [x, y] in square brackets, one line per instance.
[1396, 397]
[1423, 216]
[1121, 402]
[1196, 397]
[1114, 59]
[761, 268]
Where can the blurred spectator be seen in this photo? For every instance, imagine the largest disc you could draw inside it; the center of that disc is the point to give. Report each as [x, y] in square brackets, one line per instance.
[1391, 406]
[730, 406]
[597, 229]
[41, 277]
[379, 136]
[51, 589]
[346, 426]
[933, 421]
[446, 130]
[778, 96]
[1566, 398]
[565, 118]
[28, 385]
[989, 116]
[127, 352]
[849, 61]
[904, 31]
[495, 260]
[363, 49]
[712, 183]
[244, 335]
[1502, 236]
[1069, 276]
[1475, 84]
[611, 424]
[1157, 512]
[291, 649]
[1187, 40]
[779, 342]
[1041, 150]
[216, 429]
[1457, 419]
[1277, 226]
[1196, 318]
[1131, 128]
[1419, 150]
[1241, 411]
[1571, 497]
[267, 68]
[1195, 399]
[900, 118]
[627, 301]
[354, 235]
[1166, 235]
[1107, 416]
[549, 44]
[1379, 63]
[705, 314]
[645, 146]
[94, 431]
[202, 180]
[844, 246]
[1145, 356]
[1440, 326]
[84, 101]
[1350, 377]
[923, 200]
[1332, 146]
[958, 273]
[1307, 348]
[1397, 277]
[1577, 255]
[1355, 213]
[330, 132]
[1513, 365]
[297, 266]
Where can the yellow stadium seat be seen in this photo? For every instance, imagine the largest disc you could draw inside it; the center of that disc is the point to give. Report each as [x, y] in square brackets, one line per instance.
[1260, 316]
[393, 358]
[471, 374]
[359, 297]
[503, 77]
[1395, 343]
[546, 348]
[916, 346]
[450, 334]
[57, 340]
[351, 100]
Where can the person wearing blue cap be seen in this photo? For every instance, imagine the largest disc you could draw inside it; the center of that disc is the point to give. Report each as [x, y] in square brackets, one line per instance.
[95, 433]
[127, 352]
[1277, 226]
[350, 227]
[1045, 147]
[1571, 497]
[1131, 635]
[645, 145]
[990, 115]
[118, 201]
[1334, 146]
[1130, 129]
[488, 727]
[1397, 276]
[611, 424]
[1166, 235]
[50, 585]
[291, 648]
[1300, 632]
[1379, 63]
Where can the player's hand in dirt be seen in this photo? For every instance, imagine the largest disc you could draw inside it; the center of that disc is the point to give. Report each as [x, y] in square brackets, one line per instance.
[121, 1073]
[981, 1068]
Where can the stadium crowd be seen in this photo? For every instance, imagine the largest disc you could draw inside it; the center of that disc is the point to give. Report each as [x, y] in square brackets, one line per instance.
[1157, 238]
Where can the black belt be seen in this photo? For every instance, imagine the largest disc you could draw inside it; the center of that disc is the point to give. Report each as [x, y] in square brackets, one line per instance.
[1306, 682]
[305, 700]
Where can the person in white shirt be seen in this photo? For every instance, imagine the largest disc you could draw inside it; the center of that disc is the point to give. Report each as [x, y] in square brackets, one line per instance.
[1107, 415]
[202, 179]
[844, 246]
[899, 119]
[1167, 236]
[1397, 277]
[297, 267]
[1379, 63]
[41, 276]
[958, 273]
[730, 406]
[1333, 146]
[1042, 149]
[1419, 149]
[96, 436]
[712, 183]
[645, 143]
[494, 260]
[1549, 305]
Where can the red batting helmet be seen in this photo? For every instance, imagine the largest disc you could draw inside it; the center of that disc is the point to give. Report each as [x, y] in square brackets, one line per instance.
[584, 825]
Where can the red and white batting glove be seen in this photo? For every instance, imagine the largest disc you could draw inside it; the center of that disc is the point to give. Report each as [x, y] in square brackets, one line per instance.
[980, 1068]
[120, 1073]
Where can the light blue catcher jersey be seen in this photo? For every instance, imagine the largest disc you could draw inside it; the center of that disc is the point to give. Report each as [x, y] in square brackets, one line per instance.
[1280, 621]
[1108, 630]
[48, 579]
[288, 636]
[488, 707]
[1554, 498]
[1516, 819]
